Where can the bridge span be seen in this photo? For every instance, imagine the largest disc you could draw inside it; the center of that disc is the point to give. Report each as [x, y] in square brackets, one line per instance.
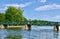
[25, 24]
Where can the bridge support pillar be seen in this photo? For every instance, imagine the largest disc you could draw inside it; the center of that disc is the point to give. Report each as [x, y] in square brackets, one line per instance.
[3, 26]
[56, 28]
[28, 27]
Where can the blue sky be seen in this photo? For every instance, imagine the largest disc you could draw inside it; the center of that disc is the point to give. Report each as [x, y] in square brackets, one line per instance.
[35, 9]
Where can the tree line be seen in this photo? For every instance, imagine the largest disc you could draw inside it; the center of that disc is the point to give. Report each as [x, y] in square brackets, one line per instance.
[44, 23]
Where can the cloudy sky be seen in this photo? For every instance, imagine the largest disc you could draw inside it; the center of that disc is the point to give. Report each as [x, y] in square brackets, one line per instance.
[35, 9]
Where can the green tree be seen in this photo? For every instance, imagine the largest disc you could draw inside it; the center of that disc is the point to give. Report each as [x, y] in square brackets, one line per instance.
[2, 17]
[14, 14]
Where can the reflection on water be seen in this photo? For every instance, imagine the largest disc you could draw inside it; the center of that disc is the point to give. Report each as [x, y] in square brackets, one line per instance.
[36, 33]
[14, 37]
[56, 35]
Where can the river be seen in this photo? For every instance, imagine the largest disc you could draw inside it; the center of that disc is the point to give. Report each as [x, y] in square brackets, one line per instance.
[36, 32]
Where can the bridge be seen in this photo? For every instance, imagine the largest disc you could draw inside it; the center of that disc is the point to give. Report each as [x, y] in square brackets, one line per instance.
[27, 24]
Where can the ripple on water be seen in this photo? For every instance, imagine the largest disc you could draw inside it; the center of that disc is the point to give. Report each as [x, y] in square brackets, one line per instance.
[40, 33]
[36, 32]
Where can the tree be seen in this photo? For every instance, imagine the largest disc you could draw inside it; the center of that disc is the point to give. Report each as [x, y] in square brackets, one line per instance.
[14, 14]
[2, 17]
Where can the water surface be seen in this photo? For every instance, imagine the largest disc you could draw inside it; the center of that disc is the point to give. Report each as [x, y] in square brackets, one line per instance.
[37, 32]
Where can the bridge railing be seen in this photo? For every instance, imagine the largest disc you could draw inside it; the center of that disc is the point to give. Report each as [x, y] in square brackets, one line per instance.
[15, 22]
[29, 22]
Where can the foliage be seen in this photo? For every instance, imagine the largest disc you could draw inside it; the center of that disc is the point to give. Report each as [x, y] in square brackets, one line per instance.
[42, 23]
[14, 14]
[2, 17]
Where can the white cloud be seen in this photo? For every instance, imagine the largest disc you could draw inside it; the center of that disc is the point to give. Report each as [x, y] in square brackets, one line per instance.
[48, 7]
[20, 5]
[15, 5]
[43, 1]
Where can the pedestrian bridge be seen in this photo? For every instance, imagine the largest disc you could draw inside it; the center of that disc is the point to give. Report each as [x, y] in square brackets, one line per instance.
[30, 22]
[27, 24]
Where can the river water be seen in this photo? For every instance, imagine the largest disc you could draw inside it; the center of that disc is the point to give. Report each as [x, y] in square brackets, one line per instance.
[36, 32]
